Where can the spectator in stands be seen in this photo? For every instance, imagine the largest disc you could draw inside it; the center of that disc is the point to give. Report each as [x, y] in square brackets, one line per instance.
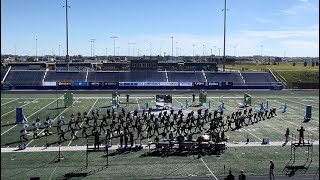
[301, 135]
[271, 175]
[242, 176]
[287, 134]
[230, 176]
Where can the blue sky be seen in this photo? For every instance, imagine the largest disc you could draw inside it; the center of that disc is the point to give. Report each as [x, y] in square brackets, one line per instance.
[274, 27]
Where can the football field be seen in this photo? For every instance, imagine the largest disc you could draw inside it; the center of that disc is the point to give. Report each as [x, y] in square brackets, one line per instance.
[136, 166]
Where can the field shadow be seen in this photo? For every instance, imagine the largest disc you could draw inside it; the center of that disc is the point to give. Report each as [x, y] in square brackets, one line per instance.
[57, 108]
[8, 124]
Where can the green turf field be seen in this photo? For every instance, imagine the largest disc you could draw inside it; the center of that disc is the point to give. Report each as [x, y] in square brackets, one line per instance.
[44, 105]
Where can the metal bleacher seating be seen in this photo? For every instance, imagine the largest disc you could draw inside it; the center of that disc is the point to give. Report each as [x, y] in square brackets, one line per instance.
[21, 77]
[185, 76]
[258, 77]
[145, 76]
[223, 77]
[55, 76]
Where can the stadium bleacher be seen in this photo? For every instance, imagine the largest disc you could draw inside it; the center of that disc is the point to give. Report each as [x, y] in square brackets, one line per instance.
[55, 76]
[186, 76]
[223, 77]
[20, 77]
[141, 76]
[258, 77]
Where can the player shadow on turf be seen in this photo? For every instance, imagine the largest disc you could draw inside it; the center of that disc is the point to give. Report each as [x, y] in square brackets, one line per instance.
[57, 108]
[8, 124]
[285, 143]
[19, 141]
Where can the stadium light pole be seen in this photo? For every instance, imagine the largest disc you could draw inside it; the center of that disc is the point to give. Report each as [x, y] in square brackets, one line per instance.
[193, 50]
[90, 47]
[118, 48]
[114, 45]
[67, 37]
[176, 49]
[36, 48]
[224, 34]
[172, 46]
[59, 49]
[202, 50]
[93, 46]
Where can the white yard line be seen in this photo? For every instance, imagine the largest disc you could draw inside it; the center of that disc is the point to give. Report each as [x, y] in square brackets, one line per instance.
[9, 101]
[30, 116]
[138, 103]
[53, 119]
[209, 169]
[53, 171]
[114, 147]
[15, 109]
[297, 125]
[83, 121]
[252, 134]
[244, 128]
[299, 103]
[178, 97]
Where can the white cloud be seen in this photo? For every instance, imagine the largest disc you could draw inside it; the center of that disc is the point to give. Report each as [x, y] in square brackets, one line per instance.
[282, 34]
[294, 9]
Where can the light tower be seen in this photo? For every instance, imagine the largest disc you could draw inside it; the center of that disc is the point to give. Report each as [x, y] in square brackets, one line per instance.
[114, 45]
[67, 37]
[224, 34]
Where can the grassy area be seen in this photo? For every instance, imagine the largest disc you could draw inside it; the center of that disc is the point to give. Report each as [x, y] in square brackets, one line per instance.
[281, 67]
[134, 165]
[300, 76]
[43, 106]
[254, 160]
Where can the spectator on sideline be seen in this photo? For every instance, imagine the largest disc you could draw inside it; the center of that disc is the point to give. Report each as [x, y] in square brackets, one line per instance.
[271, 175]
[242, 176]
[230, 176]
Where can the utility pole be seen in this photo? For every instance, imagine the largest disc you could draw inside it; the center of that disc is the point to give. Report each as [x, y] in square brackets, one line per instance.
[224, 35]
[114, 45]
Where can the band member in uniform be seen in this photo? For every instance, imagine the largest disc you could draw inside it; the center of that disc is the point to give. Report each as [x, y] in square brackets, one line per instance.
[23, 134]
[62, 133]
